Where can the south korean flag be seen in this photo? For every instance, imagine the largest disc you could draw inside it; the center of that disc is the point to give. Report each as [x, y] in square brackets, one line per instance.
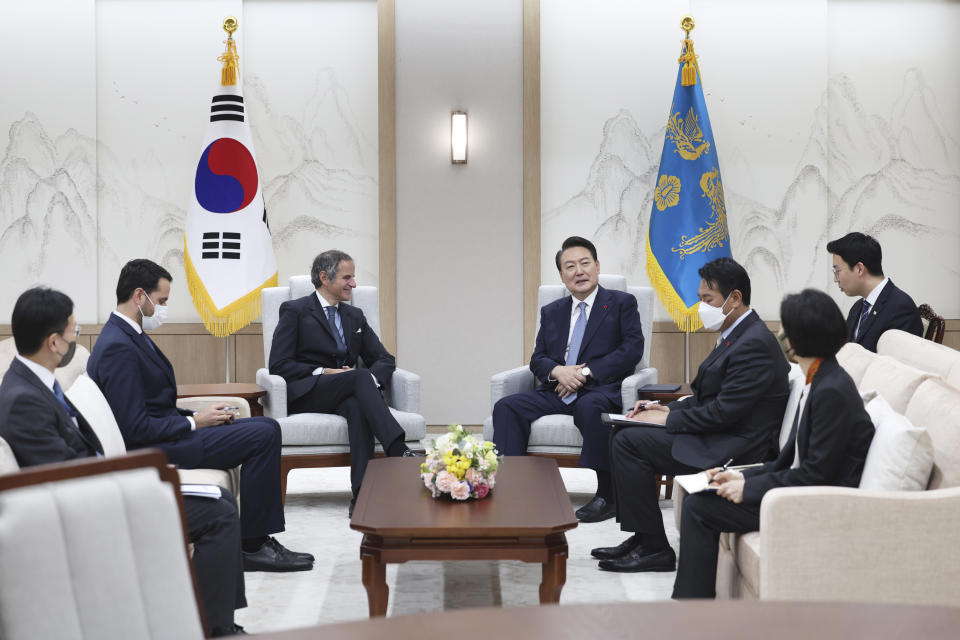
[228, 249]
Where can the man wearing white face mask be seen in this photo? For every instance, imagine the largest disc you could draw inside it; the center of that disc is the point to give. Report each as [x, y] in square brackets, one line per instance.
[739, 397]
[139, 384]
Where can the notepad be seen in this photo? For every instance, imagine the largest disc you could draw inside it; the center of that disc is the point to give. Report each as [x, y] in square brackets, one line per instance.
[211, 491]
[694, 482]
[621, 420]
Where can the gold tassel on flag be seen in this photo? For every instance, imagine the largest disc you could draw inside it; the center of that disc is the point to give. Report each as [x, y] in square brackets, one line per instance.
[230, 58]
[688, 75]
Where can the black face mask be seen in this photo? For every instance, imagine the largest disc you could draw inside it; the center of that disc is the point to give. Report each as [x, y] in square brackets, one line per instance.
[65, 358]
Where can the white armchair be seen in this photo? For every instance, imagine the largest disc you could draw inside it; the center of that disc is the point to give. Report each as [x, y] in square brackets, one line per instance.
[556, 436]
[320, 439]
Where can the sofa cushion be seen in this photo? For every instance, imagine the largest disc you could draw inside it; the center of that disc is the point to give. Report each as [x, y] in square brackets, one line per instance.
[894, 380]
[92, 405]
[900, 457]
[8, 461]
[914, 351]
[748, 559]
[555, 431]
[936, 406]
[953, 376]
[328, 429]
[855, 359]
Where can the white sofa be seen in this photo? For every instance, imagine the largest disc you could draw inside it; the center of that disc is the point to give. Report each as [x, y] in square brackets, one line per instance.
[842, 544]
[556, 436]
[95, 549]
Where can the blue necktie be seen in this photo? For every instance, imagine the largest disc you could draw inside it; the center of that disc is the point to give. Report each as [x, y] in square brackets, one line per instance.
[58, 392]
[863, 317]
[337, 329]
[573, 351]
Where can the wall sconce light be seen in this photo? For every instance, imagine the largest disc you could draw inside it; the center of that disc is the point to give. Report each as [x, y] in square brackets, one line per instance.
[458, 137]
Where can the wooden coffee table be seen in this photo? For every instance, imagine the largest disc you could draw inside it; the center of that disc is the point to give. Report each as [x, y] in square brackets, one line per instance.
[523, 518]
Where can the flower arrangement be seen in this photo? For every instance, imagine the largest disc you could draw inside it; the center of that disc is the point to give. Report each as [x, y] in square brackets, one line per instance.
[460, 465]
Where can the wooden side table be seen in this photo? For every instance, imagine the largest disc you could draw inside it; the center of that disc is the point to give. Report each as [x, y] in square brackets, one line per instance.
[666, 481]
[246, 390]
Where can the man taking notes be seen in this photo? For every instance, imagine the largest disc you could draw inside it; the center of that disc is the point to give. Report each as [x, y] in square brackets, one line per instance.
[735, 412]
[138, 382]
[857, 270]
[587, 344]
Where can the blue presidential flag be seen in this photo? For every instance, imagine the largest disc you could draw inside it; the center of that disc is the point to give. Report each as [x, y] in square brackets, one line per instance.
[688, 220]
[228, 251]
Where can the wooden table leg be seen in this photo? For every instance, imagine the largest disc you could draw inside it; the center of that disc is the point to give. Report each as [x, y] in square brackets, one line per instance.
[554, 577]
[375, 582]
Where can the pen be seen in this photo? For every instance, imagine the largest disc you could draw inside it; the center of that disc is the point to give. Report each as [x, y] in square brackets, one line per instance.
[644, 406]
[726, 465]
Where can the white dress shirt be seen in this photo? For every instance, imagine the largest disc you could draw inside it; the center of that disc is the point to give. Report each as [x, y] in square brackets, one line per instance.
[575, 313]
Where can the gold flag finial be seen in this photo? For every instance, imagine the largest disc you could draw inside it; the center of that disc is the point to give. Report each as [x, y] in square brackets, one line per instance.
[230, 58]
[688, 76]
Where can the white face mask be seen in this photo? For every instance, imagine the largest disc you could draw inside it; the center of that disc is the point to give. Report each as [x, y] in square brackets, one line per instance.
[712, 317]
[154, 321]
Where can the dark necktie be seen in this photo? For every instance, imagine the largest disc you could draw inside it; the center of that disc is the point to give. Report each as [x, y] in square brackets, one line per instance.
[863, 317]
[337, 331]
[58, 392]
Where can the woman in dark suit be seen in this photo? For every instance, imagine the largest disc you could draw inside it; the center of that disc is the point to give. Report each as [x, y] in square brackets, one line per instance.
[828, 445]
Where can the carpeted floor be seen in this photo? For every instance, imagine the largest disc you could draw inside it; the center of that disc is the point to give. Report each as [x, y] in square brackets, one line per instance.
[317, 522]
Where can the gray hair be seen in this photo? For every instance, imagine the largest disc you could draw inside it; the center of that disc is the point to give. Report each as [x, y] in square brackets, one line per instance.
[328, 261]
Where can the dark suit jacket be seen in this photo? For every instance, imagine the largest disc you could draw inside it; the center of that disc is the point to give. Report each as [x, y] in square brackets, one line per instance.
[304, 340]
[35, 424]
[138, 383]
[833, 436]
[612, 341]
[739, 396]
[894, 309]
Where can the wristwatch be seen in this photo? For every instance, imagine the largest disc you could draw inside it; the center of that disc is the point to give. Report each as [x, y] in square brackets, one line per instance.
[585, 371]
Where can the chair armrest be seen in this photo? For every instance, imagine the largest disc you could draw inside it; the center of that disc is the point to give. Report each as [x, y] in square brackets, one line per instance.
[403, 392]
[630, 385]
[509, 382]
[275, 402]
[198, 403]
[833, 543]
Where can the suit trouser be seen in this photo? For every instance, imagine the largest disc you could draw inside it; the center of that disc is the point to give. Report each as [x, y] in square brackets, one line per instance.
[355, 396]
[512, 417]
[214, 530]
[704, 517]
[637, 455]
[253, 443]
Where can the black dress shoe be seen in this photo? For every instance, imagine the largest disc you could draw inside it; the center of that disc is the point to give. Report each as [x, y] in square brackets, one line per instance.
[234, 630]
[637, 561]
[410, 453]
[273, 556]
[296, 554]
[597, 510]
[622, 549]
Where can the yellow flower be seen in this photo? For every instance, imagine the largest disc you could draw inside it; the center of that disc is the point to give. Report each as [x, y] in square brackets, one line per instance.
[667, 193]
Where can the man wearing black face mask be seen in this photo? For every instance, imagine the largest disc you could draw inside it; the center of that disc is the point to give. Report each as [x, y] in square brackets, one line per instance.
[29, 389]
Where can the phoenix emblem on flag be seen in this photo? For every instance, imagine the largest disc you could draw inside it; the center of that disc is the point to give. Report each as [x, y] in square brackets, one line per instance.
[687, 136]
[716, 231]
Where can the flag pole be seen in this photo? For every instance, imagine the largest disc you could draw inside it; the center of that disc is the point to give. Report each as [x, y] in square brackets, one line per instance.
[228, 359]
[686, 357]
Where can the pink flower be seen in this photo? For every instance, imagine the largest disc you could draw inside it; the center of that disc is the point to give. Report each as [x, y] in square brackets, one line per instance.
[473, 476]
[460, 491]
[482, 490]
[446, 481]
